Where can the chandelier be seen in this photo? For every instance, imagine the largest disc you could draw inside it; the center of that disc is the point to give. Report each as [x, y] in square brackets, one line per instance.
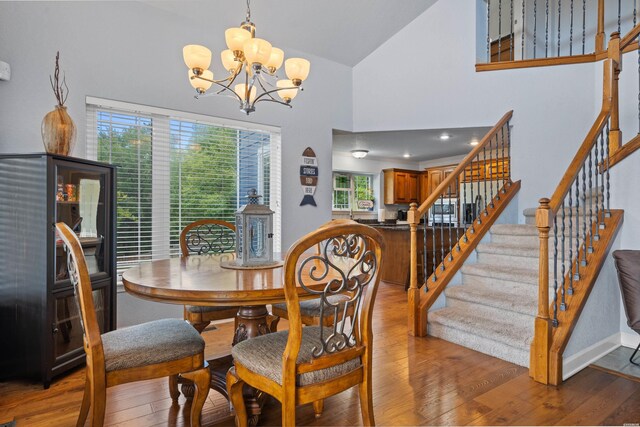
[252, 63]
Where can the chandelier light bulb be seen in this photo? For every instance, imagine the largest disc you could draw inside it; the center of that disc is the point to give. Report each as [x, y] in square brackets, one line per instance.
[196, 56]
[288, 92]
[275, 60]
[241, 91]
[235, 38]
[228, 60]
[257, 51]
[297, 69]
[199, 84]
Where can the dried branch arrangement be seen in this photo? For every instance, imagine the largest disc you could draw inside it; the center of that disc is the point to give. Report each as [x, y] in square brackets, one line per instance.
[60, 89]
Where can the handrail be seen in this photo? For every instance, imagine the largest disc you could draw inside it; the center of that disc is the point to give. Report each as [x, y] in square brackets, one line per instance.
[581, 156]
[447, 182]
[630, 37]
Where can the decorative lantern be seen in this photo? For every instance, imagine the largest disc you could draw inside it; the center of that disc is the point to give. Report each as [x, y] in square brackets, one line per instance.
[254, 233]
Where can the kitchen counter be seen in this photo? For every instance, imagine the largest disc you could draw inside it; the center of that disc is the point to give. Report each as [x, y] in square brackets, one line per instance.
[397, 253]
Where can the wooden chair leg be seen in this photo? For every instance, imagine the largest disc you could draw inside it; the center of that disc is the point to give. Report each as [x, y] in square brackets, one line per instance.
[173, 387]
[234, 389]
[289, 408]
[318, 407]
[366, 402]
[202, 381]
[98, 401]
[86, 404]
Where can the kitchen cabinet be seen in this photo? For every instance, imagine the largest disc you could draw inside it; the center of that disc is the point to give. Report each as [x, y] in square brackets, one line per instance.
[400, 186]
[432, 177]
[487, 170]
[42, 331]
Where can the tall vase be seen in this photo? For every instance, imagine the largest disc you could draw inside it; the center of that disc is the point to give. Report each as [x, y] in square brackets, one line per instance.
[58, 132]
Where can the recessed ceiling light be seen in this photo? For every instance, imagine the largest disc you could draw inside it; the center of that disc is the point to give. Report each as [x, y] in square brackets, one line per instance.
[359, 154]
[406, 155]
[445, 136]
[474, 142]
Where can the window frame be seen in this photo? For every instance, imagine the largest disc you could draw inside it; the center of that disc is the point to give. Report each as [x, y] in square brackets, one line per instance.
[161, 141]
[351, 191]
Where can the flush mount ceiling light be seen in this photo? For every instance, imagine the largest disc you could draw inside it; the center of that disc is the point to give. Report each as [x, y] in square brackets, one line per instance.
[252, 59]
[406, 155]
[474, 142]
[445, 136]
[359, 154]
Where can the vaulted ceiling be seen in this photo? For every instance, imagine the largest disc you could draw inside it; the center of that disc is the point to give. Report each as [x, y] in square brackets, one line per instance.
[344, 31]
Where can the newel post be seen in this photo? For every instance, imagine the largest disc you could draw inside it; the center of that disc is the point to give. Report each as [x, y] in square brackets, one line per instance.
[539, 366]
[413, 292]
[615, 55]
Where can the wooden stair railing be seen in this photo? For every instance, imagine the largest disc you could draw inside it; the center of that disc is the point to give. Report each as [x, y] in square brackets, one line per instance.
[544, 39]
[581, 198]
[450, 232]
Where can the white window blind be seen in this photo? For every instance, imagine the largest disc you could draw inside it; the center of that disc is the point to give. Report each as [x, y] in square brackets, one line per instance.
[174, 169]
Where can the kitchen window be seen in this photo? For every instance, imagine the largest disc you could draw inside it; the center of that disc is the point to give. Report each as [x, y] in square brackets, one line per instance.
[175, 168]
[352, 192]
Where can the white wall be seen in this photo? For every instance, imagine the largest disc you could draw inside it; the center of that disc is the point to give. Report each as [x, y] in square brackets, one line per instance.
[132, 52]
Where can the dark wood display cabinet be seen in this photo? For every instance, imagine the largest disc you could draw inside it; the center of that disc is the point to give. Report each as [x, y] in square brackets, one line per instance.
[41, 334]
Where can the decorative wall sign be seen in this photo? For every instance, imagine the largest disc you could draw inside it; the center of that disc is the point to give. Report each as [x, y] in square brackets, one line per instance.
[309, 176]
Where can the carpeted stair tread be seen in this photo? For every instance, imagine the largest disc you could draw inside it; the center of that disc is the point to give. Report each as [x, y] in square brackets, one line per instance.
[513, 250]
[517, 298]
[509, 273]
[515, 229]
[512, 335]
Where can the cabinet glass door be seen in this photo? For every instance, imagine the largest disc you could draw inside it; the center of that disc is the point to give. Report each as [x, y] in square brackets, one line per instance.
[80, 203]
[67, 329]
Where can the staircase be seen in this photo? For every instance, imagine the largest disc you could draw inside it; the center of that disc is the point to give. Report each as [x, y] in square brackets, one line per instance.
[493, 307]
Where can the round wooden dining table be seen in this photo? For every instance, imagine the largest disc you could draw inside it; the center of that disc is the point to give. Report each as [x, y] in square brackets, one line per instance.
[201, 280]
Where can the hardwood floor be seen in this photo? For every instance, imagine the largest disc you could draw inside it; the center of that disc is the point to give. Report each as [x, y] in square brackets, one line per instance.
[417, 381]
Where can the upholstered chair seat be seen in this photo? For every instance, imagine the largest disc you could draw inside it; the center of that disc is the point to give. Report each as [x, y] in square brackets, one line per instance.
[150, 343]
[263, 355]
[202, 309]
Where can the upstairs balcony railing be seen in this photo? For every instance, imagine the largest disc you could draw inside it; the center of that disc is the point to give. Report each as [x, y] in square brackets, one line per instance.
[530, 33]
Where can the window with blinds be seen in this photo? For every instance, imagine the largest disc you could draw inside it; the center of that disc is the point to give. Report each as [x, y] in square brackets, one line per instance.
[174, 169]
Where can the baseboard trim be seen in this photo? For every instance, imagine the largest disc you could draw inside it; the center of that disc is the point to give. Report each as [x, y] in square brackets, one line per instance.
[574, 364]
[629, 340]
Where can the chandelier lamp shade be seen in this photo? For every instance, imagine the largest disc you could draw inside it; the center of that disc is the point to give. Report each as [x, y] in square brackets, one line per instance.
[251, 65]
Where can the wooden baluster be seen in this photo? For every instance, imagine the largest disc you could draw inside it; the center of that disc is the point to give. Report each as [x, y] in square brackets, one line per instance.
[539, 363]
[535, 27]
[584, 25]
[499, 30]
[488, 31]
[522, 30]
[571, 31]
[546, 30]
[425, 253]
[600, 37]
[559, 21]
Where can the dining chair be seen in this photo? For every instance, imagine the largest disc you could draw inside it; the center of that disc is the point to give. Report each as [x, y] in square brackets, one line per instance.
[310, 310]
[627, 263]
[167, 347]
[308, 364]
[208, 236]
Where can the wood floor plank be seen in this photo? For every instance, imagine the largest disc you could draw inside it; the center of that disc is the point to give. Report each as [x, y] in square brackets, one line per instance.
[416, 381]
[597, 407]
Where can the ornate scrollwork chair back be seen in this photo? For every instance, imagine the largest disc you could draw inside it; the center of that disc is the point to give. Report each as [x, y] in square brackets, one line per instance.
[310, 309]
[150, 350]
[308, 364]
[208, 237]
